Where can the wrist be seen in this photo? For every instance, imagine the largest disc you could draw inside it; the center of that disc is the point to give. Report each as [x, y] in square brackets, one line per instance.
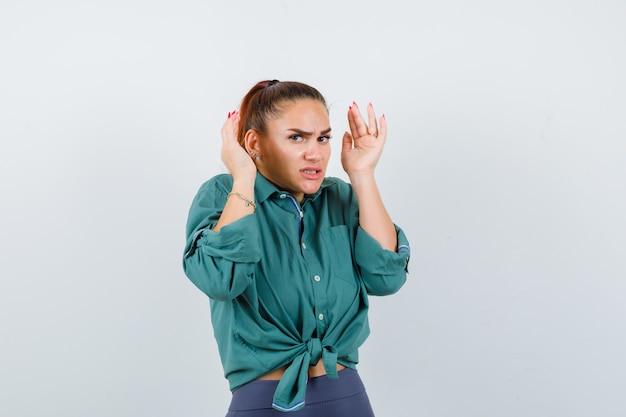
[245, 181]
[247, 201]
[244, 186]
[361, 177]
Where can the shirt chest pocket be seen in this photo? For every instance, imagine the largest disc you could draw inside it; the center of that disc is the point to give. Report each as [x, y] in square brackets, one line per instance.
[338, 253]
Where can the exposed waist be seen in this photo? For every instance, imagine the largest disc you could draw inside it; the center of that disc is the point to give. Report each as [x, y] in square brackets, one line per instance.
[314, 371]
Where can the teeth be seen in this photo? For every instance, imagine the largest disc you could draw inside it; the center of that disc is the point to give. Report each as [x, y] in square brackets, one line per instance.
[309, 171]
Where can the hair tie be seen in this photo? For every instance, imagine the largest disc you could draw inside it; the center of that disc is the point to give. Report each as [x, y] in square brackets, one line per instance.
[271, 83]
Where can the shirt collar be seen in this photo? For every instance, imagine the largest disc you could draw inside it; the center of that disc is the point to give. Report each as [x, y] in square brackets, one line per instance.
[264, 189]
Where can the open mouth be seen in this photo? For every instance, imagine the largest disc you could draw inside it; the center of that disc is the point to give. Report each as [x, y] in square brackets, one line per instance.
[311, 173]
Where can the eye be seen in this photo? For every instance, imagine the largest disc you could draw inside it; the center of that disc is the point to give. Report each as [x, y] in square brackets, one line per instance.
[296, 138]
[324, 139]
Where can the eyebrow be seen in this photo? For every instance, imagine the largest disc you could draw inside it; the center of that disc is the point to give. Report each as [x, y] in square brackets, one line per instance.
[305, 133]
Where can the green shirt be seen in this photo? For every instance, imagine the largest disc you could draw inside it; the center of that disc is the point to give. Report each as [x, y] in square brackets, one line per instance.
[288, 285]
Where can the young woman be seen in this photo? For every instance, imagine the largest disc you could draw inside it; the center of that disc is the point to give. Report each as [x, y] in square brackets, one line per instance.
[288, 256]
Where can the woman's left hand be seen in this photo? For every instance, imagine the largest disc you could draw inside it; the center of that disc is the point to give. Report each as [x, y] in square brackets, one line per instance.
[363, 145]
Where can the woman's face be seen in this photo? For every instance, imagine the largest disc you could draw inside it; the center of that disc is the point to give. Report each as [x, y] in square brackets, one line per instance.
[295, 151]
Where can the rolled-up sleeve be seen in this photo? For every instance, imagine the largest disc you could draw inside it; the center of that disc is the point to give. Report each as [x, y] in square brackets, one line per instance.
[221, 264]
[383, 271]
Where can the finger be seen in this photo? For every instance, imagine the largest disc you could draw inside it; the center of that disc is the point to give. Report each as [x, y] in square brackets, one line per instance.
[226, 128]
[351, 122]
[230, 127]
[361, 127]
[382, 128]
[346, 143]
[236, 117]
[371, 120]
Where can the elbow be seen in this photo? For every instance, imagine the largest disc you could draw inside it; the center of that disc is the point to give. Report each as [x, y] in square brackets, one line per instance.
[221, 284]
[382, 285]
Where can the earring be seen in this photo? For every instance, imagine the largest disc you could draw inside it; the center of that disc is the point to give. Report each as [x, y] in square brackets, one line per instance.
[255, 156]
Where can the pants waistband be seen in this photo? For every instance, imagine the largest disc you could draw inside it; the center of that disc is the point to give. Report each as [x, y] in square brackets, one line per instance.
[258, 394]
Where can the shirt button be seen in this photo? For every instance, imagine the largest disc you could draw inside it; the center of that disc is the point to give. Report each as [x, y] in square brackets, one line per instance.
[317, 278]
[303, 245]
[321, 316]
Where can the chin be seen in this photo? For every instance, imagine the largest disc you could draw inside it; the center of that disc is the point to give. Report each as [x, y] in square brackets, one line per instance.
[312, 188]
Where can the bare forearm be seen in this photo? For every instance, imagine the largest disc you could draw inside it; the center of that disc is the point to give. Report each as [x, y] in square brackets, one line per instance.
[236, 207]
[373, 216]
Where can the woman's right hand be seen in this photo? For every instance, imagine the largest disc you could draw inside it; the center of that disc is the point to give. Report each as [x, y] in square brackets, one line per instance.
[242, 168]
[234, 156]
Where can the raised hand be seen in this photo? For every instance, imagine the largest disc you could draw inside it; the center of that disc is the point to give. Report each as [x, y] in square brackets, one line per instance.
[363, 145]
[234, 156]
[361, 149]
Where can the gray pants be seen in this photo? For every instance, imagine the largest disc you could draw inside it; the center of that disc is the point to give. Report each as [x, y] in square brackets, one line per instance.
[325, 397]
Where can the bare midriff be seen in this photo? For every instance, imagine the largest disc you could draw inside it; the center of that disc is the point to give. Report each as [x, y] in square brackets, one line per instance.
[314, 370]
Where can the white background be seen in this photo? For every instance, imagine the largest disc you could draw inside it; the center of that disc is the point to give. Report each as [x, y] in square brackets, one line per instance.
[504, 165]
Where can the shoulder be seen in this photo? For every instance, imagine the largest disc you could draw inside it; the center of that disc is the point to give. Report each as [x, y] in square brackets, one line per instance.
[219, 182]
[336, 186]
[337, 193]
[215, 188]
[336, 183]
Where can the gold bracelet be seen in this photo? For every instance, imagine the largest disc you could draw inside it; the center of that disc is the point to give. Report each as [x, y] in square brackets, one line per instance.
[247, 200]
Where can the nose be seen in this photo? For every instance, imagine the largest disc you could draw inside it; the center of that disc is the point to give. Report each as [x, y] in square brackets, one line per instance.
[313, 152]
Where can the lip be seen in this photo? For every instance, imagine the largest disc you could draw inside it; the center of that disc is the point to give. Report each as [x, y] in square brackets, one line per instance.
[312, 173]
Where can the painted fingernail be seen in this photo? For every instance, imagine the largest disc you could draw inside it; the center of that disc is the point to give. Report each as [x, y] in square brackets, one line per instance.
[229, 115]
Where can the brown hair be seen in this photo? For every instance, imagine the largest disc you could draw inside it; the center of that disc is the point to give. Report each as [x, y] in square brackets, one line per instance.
[266, 100]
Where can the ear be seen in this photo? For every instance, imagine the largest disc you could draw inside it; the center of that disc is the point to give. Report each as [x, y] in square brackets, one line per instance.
[251, 141]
